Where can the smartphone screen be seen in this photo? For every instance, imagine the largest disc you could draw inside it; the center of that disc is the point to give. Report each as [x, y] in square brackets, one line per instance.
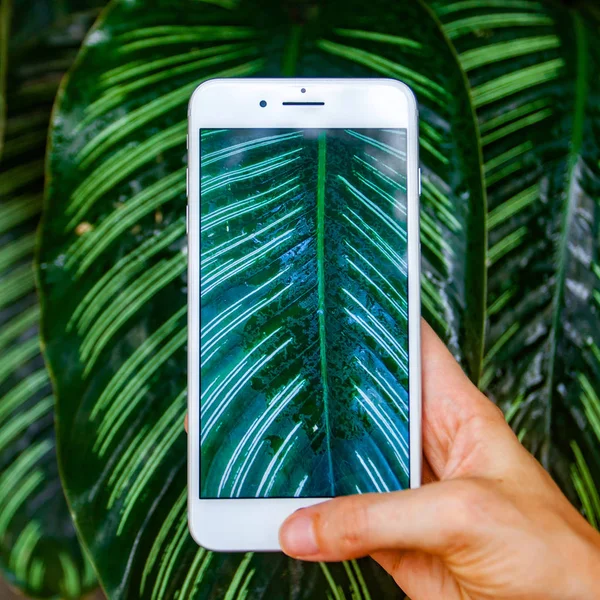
[304, 312]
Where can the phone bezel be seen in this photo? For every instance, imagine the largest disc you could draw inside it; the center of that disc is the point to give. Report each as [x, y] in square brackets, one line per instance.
[253, 524]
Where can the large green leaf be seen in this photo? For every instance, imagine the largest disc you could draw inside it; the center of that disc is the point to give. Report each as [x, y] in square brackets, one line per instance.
[39, 551]
[534, 69]
[304, 355]
[112, 261]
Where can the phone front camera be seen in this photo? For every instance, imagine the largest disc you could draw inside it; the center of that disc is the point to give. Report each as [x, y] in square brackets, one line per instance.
[263, 103]
[303, 90]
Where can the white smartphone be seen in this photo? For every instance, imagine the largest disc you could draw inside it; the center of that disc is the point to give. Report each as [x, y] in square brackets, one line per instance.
[304, 378]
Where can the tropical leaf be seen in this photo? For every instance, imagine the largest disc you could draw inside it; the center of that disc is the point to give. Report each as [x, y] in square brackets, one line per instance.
[112, 261]
[39, 551]
[304, 351]
[533, 70]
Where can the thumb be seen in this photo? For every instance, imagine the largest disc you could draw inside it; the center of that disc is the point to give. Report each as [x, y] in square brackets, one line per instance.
[433, 519]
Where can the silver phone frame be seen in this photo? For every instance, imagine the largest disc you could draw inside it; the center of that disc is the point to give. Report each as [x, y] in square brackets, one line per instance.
[253, 524]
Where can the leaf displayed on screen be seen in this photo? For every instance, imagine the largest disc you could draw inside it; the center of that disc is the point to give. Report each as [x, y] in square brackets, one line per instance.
[39, 551]
[112, 262]
[533, 69]
[304, 298]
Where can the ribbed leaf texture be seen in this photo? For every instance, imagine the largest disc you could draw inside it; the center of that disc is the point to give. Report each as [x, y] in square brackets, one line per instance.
[304, 346]
[112, 262]
[533, 69]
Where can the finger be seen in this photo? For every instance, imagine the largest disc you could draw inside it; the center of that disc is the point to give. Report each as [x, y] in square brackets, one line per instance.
[449, 400]
[428, 518]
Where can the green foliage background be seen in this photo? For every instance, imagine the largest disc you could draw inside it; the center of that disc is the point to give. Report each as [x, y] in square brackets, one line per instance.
[509, 100]
[39, 550]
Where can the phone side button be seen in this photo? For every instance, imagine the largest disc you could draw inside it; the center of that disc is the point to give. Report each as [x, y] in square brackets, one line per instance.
[187, 183]
[187, 213]
[419, 181]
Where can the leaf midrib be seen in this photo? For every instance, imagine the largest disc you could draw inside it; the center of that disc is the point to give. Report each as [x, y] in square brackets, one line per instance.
[321, 176]
[476, 267]
[563, 248]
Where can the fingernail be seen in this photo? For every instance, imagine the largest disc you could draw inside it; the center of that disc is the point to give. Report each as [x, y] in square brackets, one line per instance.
[297, 536]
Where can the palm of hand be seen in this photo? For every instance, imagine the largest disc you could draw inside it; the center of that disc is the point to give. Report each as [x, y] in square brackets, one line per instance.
[497, 498]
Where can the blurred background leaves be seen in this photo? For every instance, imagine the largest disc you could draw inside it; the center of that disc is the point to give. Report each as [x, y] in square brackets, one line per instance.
[508, 93]
[39, 550]
[533, 70]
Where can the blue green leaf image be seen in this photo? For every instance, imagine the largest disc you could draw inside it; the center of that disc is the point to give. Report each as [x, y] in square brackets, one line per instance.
[304, 338]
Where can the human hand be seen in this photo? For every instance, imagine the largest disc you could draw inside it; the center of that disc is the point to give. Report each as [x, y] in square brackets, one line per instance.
[489, 523]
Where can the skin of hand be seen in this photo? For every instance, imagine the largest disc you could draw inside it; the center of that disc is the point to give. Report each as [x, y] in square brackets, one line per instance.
[489, 523]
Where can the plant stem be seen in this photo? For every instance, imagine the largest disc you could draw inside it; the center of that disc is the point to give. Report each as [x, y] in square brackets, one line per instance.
[571, 196]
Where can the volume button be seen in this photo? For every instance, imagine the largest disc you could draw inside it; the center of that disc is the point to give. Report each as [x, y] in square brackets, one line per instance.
[419, 181]
[187, 183]
[187, 218]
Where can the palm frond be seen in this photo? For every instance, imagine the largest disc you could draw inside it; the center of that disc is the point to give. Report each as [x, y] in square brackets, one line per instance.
[531, 67]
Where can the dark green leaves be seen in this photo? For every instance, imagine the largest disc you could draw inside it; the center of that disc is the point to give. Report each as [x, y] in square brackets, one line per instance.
[533, 69]
[39, 551]
[112, 261]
